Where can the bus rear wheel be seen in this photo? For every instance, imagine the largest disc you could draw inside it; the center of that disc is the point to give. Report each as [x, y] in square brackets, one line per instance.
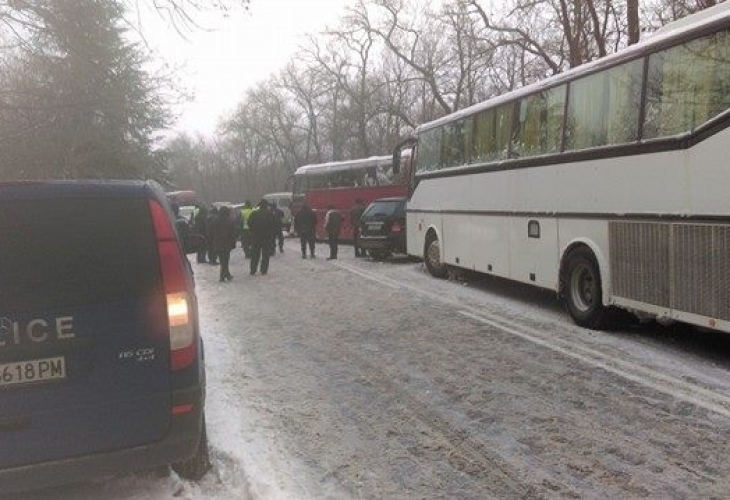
[432, 257]
[582, 290]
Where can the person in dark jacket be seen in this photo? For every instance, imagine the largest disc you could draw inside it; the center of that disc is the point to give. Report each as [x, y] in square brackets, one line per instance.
[181, 225]
[200, 226]
[212, 215]
[332, 225]
[223, 240]
[355, 213]
[261, 225]
[278, 215]
[305, 224]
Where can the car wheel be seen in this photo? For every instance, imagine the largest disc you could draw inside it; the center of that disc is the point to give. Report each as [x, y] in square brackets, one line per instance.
[582, 290]
[198, 465]
[432, 257]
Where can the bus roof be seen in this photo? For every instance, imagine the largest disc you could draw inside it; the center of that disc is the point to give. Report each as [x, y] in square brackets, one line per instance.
[338, 166]
[185, 197]
[718, 15]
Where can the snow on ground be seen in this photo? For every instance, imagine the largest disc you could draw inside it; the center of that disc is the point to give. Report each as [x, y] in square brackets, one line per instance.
[361, 379]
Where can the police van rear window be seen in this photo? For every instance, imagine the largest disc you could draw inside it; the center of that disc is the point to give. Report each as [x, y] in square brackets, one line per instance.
[73, 252]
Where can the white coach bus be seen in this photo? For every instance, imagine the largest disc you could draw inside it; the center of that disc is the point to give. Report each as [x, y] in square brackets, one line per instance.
[609, 183]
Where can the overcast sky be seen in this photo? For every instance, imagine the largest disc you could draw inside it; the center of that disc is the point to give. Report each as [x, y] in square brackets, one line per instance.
[218, 65]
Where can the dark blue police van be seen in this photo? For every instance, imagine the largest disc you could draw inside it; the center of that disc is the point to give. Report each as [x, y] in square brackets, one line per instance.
[101, 360]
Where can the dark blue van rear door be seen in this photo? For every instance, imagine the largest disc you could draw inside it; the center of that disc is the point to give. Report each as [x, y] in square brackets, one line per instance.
[84, 348]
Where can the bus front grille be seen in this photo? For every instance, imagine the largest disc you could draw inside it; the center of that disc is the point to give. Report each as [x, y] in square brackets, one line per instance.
[679, 266]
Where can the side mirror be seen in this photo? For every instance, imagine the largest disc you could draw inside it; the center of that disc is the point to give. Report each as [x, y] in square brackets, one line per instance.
[396, 161]
[397, 153]
[193, 243]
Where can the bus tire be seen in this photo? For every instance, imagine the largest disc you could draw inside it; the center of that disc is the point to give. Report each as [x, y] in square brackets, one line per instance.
[582, 290]
[432, 257]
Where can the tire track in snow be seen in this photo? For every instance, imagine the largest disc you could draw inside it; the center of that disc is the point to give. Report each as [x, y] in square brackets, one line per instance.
[675, 387]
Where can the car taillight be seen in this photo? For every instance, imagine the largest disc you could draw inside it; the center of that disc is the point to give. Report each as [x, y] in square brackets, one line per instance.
[396, 227]
[174, 279]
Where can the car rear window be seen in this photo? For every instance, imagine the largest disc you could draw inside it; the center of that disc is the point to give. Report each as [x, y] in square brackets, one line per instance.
[69, 252]
[384, 208]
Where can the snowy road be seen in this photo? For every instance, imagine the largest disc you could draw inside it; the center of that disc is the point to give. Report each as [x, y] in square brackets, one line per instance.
[357, 379]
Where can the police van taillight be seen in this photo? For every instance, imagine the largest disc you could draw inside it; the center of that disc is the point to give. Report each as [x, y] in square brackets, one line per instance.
[174, 278]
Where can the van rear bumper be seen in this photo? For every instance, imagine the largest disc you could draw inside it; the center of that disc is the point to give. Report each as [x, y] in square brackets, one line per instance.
[180, 444]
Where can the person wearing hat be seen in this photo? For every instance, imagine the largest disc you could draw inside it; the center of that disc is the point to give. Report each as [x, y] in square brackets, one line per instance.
[261, 224]
[223, 240]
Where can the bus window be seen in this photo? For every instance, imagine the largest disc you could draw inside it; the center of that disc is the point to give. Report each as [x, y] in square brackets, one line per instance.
[383, 178]
[541, 123]
[484, 145]
[429, 150]
[453, 144]
[370, 178]
[687, 85]
[316, 181]
[603, 108]
[504, 119]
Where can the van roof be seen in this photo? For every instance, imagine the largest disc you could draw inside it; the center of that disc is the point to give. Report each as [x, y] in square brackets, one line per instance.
[77, 189]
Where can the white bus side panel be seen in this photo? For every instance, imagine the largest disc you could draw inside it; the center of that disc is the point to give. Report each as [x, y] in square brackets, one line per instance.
[417, 226]
[492, 244]
[457, 245]
[534, 260]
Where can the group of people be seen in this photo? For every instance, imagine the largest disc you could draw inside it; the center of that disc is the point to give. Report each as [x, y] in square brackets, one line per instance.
[305, 225]
[259, 229]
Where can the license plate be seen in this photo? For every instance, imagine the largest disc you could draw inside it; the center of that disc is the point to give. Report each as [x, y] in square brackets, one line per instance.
[32, 370]
[375, 226]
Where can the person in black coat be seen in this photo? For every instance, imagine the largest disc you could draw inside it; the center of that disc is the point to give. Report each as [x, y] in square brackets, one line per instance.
[212, 215]
[261, 224]
[223, 240]
[333, 224]
[305, 224]
[278, 229]
[200, 226]
[355, 215]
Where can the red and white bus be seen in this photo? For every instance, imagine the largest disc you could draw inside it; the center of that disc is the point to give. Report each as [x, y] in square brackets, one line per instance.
[341, 183]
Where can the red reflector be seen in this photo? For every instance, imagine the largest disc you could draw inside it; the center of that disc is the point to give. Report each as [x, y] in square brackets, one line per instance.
[180, 409]
[182, 358]
[396, 228]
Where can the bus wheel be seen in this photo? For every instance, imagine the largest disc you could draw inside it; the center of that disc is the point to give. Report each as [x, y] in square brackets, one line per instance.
[432, 257]
[582, 289]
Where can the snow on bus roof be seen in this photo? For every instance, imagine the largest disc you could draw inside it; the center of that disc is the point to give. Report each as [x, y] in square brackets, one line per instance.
[719, 14]
[335, 166]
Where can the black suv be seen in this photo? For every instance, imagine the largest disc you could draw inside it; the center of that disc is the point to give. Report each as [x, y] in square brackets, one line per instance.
[383, 227]
[101, 360]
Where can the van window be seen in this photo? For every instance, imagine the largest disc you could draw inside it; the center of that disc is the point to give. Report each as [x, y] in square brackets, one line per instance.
[67, 252]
